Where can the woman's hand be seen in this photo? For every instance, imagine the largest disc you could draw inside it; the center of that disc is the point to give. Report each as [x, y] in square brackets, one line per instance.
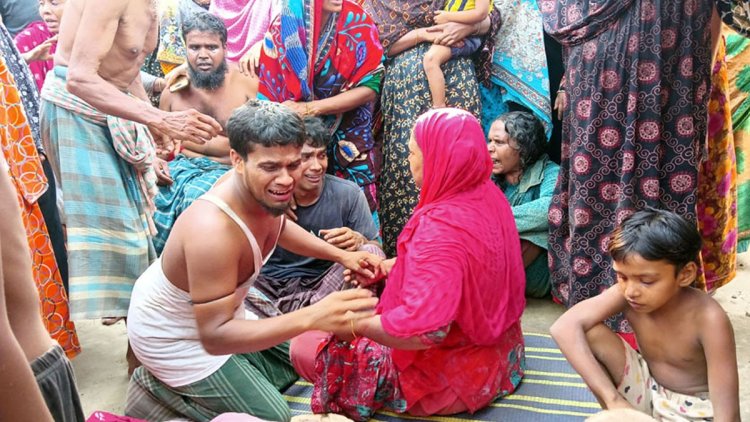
[249, 62]
[451, 33]
[382, 272]
[40, 52]
[440, 17]
[171, 77]
[560, 103]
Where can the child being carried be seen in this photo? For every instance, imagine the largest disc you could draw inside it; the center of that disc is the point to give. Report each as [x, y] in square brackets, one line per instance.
[469, 12]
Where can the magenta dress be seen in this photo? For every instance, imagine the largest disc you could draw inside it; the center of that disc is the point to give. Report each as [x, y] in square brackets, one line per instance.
[31, 36]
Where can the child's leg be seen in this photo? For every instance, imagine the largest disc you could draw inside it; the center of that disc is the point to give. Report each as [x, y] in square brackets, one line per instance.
[609, 351]
[433, 59]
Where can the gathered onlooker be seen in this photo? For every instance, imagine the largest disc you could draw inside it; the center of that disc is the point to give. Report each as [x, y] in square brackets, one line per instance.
[527, 177]
[38, 41]
[406, 33]
[637, 77]
[329, 207]
[318, 71]
[447, 334]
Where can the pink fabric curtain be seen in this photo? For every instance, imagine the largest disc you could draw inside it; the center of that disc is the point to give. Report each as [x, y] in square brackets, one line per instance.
[247, 22]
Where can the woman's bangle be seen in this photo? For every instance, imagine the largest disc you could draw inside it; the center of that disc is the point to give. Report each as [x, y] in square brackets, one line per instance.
[354, 332]
[417, 38]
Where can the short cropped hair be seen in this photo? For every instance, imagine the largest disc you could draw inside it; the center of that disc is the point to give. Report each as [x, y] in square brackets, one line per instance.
[656, 235]
[528, 132]
[316, 132]
[205, 22]
[266, 124]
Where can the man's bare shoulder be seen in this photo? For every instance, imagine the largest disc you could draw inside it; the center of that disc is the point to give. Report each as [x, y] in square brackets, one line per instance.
[208, 230]
[248, 84]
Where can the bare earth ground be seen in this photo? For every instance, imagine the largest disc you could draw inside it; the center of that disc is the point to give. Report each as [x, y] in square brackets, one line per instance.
[101, 370]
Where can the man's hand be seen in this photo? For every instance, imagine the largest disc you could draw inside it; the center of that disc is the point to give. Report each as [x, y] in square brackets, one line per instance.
[188, 125]
[338, 311]
[163, 178]
[344, 238]
[290, 214]
[40, 52]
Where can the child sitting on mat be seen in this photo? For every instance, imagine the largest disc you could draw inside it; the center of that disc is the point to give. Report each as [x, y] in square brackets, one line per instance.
[687, 365]
[470, 12]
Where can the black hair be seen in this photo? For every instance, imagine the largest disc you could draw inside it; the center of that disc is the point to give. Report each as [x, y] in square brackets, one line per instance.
[656, 235]
[528, 133]
[205, 22]
[316, 132]
[266, 124]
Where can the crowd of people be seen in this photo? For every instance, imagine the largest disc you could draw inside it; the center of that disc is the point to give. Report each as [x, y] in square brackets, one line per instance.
[363, 193]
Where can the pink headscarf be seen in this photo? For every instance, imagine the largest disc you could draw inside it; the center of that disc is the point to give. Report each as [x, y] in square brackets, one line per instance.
[247, 22]
[459, 256]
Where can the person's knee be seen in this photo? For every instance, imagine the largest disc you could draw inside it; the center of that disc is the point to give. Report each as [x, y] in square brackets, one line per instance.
[373, 249]
[430, 61]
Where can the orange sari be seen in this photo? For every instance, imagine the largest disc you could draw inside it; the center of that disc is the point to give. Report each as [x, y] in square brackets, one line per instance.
[27, 176]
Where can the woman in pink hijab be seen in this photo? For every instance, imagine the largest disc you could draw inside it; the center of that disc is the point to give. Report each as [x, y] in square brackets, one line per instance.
[446, 337]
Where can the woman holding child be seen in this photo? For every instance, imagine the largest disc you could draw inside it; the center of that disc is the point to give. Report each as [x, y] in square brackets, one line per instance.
[447, 335]
[407, 33]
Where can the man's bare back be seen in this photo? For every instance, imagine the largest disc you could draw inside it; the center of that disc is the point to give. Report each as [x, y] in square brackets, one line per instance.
[135, 38]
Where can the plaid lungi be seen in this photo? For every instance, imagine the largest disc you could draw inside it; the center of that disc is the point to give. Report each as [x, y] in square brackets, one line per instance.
[192, 178]
[271, 296]
[248, 383]
[109, 244]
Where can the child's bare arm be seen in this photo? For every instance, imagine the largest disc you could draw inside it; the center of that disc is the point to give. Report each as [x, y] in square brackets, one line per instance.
[717, 338]
[569, 331]
[469, 17]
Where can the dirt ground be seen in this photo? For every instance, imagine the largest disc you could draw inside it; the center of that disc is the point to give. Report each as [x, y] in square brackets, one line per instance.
[101, 370]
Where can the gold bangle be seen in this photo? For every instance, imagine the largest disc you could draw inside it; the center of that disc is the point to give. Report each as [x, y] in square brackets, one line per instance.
[351, 323]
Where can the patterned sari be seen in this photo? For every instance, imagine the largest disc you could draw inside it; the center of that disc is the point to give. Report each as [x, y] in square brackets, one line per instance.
[638, 78]
[26, 173]
[406, 96]
[738, 63]
[717, 184]
[304, 59]
[518, 69]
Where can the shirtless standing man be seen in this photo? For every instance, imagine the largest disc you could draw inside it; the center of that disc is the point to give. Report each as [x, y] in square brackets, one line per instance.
[187, 321]
[98, 122]
[215, 89]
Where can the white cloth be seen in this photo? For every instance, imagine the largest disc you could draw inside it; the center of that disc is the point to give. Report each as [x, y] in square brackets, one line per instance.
[162, 328]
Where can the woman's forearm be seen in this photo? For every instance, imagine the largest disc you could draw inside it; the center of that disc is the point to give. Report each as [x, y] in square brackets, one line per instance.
[342, 102]
[411, 39]
[372, 328]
